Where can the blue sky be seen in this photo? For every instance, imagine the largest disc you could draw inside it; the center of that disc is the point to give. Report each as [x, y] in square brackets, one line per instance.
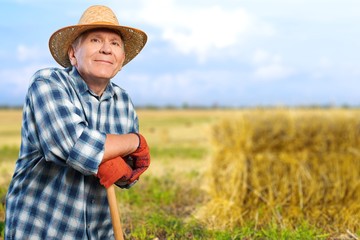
[205, 52]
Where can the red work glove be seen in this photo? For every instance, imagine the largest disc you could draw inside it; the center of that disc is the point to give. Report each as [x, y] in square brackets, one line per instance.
[113, 170]
[141, 159]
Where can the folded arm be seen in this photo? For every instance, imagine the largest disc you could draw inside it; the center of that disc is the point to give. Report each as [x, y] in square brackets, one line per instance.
[120, 145]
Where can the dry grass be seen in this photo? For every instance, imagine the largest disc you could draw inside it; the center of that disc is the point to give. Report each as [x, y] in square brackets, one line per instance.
[10, 132]
[10, 127]
[286, 167]
[179, 139]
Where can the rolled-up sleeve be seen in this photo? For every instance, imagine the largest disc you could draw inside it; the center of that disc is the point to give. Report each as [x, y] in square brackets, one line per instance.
[64, 135]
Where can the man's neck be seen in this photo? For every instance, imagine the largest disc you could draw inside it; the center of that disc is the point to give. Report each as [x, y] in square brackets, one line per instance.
[97, 88]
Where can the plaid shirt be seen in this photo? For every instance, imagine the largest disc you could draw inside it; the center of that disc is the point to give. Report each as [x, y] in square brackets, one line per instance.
[54, 193]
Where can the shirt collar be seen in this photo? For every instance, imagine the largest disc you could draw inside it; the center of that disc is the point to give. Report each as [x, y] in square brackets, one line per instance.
[83, 88]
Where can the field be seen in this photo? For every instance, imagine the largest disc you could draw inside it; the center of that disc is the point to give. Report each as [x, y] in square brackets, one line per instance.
[170, 200]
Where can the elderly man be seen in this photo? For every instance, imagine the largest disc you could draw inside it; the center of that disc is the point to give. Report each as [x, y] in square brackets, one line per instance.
[79, 130]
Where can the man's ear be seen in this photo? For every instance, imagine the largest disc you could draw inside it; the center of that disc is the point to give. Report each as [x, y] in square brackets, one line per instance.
[71, 55]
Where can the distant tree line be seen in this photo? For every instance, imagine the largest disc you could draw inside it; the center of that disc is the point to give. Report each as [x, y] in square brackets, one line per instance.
[217, 106]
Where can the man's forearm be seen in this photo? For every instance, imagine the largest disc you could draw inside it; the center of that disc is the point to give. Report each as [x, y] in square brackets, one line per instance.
[120, 145]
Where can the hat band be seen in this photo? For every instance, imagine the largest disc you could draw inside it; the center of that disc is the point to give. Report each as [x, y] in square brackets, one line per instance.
[100, 23]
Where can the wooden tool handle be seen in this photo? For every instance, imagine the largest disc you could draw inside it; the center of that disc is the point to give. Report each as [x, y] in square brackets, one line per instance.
[115, 216]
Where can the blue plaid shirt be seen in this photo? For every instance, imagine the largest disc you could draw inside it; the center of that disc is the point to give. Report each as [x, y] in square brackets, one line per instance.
[54, 193]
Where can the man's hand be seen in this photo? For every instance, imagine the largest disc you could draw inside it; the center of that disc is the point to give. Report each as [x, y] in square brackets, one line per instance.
[114, 170]
[141, 158]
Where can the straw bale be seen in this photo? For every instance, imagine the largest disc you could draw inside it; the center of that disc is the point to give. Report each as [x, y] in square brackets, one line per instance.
[286, 167]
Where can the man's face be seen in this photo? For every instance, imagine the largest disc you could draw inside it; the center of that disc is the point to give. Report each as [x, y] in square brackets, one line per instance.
[98, 55]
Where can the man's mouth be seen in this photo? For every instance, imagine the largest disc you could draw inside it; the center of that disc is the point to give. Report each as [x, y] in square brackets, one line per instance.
[103, 61]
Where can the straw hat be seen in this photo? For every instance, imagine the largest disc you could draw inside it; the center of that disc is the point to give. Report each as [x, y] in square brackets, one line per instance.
[95, 17]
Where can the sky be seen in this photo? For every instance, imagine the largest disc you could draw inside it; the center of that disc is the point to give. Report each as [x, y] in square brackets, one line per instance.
[233, 53]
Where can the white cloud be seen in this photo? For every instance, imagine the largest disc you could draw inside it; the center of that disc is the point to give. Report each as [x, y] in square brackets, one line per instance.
[16, 81]
[272, 71]
[25, 53]
[322, 69]
[260, 56]
[201, 30]
[269, 66]
[193, 87]
[325, 63]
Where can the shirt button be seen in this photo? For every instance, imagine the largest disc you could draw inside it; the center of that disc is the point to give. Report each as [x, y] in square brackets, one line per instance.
[93, 201]
[88, 226]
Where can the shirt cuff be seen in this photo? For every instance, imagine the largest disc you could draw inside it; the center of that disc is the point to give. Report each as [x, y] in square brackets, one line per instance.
[88, 151]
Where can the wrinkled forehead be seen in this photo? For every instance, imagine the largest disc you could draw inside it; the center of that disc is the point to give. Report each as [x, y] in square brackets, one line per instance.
[101, 30]
[85, 34]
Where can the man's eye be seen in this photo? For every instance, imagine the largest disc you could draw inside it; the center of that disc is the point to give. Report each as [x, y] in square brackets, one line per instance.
[95, 40]
[116, 43]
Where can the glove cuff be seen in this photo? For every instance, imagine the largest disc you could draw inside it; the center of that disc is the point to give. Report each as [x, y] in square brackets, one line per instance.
[138, 135]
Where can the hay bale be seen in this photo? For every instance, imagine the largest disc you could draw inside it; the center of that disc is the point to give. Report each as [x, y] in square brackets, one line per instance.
[286, 167]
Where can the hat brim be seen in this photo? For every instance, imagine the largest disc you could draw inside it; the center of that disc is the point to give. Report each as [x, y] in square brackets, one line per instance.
[61, 40]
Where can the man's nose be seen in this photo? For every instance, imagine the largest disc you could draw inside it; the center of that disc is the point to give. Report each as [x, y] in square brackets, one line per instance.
[105, 48]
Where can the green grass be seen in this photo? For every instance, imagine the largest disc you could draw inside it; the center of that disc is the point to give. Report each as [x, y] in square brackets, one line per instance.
[8, 156]
[2, 229]
[163, 208]
[160, 207]
[8, 153]
[186, 152]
